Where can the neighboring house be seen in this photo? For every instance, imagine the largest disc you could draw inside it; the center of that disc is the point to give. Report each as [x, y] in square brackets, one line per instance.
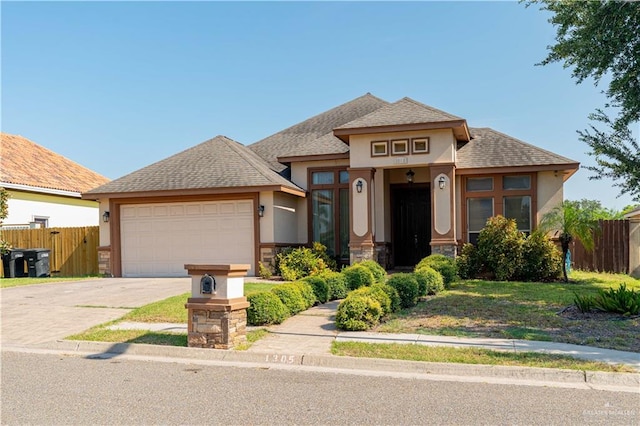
[44, 187]
[369, 179]
[634, 242]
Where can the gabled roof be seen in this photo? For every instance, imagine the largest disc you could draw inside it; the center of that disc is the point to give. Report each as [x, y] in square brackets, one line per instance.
[315, 136]
[489, 148]
[220, 163]
[405, 114]
[635, 213]
[24, 163]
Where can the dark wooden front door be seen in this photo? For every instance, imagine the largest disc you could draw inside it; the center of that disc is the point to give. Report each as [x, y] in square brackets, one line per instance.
[411, 223]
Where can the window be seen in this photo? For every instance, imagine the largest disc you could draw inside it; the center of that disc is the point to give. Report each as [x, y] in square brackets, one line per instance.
[379, 148]
[330, 210]
[41, 221]
[519, 208]
[400, 147]
[479, 211]
[512, 196]
[419, 145]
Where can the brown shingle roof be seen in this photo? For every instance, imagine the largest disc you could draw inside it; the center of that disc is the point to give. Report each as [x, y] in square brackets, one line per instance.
[490, 148]
[217, 163]
[404, 111]
[315, 135]
[23, 162]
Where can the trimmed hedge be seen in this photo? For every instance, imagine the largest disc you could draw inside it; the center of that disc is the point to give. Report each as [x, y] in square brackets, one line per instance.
[320, 288]
[358, 312]
[265, 308]
[443, 264]
[291, 296]
[358, 276]
[429, 280]
[306, 290]
[337, 284]
[393, 295]
[407, 288]
[378, 294]
[379, 274]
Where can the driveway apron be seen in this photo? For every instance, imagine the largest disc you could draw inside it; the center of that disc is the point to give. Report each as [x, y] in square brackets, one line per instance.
[42, 313]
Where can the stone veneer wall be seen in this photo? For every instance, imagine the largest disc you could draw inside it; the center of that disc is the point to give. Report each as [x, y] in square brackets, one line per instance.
[217, 329]
[449, 250]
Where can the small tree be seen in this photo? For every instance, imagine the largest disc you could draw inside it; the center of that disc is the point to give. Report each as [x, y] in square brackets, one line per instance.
[4, 212]
[567, 221]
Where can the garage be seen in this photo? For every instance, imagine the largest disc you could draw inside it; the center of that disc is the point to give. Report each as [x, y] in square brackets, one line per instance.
[158, 239]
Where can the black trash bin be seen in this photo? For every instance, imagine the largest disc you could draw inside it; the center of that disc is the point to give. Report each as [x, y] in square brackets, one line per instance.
[13, 263]
[38, 262]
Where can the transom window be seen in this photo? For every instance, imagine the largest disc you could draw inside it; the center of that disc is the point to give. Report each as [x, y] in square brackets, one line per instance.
[511, 196]
[330, 210]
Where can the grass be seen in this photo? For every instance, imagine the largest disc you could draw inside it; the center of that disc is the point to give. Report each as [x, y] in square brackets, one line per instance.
[18, 282]
[521, 310]
[470, 356]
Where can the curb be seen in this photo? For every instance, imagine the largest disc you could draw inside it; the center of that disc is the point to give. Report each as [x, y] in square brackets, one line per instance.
[629, 382]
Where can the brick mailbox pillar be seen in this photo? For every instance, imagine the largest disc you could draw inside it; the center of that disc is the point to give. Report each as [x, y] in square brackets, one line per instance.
[217, 308]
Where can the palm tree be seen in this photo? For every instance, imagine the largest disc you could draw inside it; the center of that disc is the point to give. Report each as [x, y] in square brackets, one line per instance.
[568, 220]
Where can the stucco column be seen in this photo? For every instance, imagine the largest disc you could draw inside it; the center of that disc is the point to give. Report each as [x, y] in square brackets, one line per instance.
[361, 215]
[443, 225]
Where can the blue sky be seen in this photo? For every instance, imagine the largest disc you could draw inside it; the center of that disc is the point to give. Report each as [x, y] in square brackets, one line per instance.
[116, 86]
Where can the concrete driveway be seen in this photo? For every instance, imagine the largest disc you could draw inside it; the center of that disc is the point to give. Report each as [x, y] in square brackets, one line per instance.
[43, 313]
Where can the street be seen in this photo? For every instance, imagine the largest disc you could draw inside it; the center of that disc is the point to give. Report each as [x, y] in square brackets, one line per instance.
[61, 389]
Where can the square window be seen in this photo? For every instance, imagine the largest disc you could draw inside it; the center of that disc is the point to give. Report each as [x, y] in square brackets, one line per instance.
[400, 147]
[322, 178]
[479, 184]
[379, 148]
[420, 145]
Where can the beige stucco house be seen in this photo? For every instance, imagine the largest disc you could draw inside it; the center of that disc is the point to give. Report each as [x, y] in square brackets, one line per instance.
[369, 179]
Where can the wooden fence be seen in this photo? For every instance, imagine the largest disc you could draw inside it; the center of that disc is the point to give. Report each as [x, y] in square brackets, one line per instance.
[611, 252]
[74, 251]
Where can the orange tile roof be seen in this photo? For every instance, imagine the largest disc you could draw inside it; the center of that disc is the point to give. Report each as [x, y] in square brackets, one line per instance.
[24, 162]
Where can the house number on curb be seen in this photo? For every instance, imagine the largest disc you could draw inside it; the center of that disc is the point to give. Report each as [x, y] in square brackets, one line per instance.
[282, 359]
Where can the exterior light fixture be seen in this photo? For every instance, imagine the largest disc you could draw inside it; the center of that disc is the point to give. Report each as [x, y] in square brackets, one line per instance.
[410, 174]
[441, 182]
[260, 210]
[359, 185]
[105, 217]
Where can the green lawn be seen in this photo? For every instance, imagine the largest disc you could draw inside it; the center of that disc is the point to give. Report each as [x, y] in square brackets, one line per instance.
[521, 310]
[17, 282]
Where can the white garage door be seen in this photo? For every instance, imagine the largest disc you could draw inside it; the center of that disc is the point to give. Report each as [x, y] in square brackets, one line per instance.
[159, 239]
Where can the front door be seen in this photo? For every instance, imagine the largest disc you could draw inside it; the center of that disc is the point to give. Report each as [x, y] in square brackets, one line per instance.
[411, 206]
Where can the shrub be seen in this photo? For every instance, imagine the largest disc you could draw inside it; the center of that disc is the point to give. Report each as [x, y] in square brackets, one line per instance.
[443, 264]
[290, 295]
[320, 288]
[357, 313]
[583, 303]
[264, 271]
[337, 284]
[500, 248]
[621, 301]
[320, 250]
[429, 280]
[306, 290]
[299, 263]
[378, 294]
[541, 259]
[467, 262]
[407, 288]
[379, 274]
[357, 276]
[265, 308]
[393, 296]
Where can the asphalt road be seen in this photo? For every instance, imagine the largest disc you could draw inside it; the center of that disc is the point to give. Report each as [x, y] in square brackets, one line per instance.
[58, 389]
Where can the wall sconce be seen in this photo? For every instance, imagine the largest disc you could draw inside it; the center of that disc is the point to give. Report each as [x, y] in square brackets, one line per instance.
[260, 210]
[359, 185]
[441, 182]
[410, 174]
[105, 217]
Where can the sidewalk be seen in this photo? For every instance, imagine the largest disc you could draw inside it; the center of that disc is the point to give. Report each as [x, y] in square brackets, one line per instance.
[311, 333]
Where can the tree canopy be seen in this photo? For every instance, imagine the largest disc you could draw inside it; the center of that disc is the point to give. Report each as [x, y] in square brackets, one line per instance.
[601, 39]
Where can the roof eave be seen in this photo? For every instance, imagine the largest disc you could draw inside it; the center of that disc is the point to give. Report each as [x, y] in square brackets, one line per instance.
[568, 169]
[198, 191]
[344, 133]
[318, 157]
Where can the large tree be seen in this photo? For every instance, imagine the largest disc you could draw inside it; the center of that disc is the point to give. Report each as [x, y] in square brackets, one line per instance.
[602, 39]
